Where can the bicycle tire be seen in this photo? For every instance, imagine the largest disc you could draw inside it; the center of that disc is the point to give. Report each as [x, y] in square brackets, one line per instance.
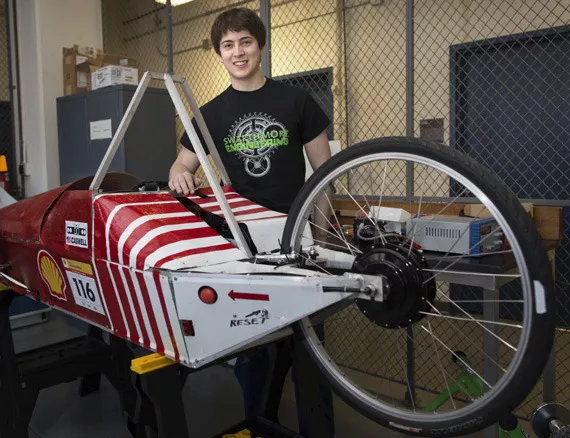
[541, 332]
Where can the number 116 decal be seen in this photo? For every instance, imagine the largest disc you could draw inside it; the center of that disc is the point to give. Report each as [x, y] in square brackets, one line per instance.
[85, 291]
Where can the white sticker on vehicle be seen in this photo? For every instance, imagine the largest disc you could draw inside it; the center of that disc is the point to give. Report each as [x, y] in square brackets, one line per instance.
[76, 234]
[85, 291]
[82, 282]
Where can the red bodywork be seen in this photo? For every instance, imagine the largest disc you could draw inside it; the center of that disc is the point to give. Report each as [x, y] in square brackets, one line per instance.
[33, 231]
[99, 257]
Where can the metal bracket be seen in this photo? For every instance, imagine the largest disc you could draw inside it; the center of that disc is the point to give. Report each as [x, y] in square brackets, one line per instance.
[170, 81]
[14, 281]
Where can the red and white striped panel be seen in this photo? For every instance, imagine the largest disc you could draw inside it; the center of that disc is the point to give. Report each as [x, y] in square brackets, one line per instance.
[154, 230]
[141, 231]
[265, 226]
[244, 209]
[141, 308]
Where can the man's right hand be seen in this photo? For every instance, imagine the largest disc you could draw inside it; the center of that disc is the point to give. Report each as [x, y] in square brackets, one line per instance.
[184, 183]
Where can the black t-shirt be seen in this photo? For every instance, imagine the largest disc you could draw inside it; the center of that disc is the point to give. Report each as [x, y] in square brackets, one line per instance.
[260, 136]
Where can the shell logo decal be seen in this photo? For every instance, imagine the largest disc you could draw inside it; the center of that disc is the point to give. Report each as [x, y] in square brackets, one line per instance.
[51, 275]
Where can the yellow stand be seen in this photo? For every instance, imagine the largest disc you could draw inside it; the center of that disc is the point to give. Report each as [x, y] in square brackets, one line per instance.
[242, 434]
[152, 362]
[156, 361]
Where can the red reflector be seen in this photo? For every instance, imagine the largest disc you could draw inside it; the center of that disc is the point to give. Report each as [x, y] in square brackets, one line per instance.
[187, 327]
[207, 295]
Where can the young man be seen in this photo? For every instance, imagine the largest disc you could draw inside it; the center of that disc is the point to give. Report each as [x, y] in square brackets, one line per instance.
[259, 127]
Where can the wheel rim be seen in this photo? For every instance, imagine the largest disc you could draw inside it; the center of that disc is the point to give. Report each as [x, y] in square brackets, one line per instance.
[328, 362]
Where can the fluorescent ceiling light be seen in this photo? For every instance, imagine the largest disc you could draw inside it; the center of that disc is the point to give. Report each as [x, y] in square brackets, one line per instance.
[174, 2]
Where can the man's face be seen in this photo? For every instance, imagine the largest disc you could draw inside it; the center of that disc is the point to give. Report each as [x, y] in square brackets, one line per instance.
[240, 54]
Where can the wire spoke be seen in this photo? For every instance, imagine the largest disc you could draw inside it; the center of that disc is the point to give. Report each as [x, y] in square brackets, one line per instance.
[361, 209]
[455, 355]
[408, 377]
[489, 301]
[337, 233]
[478, 348]
[477, 322]
[382, 187]
[417, 215]
[478, 274]
[425, 225]
[483, 254]
[328, 243]
[441, 367]
[441, 315]
[338, 222]
[308, 260]
[446, 269]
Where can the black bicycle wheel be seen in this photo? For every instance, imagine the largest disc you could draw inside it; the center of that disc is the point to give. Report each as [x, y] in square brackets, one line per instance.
[507, 352]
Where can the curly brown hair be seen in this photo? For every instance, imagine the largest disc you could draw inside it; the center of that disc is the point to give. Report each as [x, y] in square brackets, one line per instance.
[235, 20]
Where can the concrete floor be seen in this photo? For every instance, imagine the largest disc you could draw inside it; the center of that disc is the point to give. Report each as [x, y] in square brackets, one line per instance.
[212, 398]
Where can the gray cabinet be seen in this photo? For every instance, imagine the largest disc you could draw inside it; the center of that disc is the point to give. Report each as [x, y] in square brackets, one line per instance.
[148, 148]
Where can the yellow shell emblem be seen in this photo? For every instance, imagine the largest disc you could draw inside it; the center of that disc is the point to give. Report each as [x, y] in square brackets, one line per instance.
[51, 275]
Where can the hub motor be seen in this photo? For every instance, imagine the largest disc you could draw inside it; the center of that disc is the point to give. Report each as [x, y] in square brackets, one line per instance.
[409, 288]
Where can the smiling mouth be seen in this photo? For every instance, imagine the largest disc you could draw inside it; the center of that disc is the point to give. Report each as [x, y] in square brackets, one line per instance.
[240, 63]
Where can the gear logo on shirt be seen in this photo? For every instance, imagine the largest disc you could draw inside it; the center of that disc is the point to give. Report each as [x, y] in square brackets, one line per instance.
[254, 137]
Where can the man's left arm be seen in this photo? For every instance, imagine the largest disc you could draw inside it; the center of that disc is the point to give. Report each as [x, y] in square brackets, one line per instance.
[318, 151]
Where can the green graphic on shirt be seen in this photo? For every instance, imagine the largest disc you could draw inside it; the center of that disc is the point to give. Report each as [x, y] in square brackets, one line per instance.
[257, 140]
[254, 138]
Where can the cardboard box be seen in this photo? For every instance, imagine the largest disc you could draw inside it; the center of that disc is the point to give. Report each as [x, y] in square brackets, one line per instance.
[78, 62]
[86, 70]
[113, 75]
[123, 61]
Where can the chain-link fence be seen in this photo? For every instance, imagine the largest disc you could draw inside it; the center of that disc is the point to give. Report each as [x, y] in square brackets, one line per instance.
[136, 29]
[490, 78]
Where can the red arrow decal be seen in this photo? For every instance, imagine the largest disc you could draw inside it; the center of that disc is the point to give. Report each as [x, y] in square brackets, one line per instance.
[247, 296]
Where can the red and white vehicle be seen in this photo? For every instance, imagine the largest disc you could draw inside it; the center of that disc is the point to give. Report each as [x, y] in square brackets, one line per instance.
[200, 277]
